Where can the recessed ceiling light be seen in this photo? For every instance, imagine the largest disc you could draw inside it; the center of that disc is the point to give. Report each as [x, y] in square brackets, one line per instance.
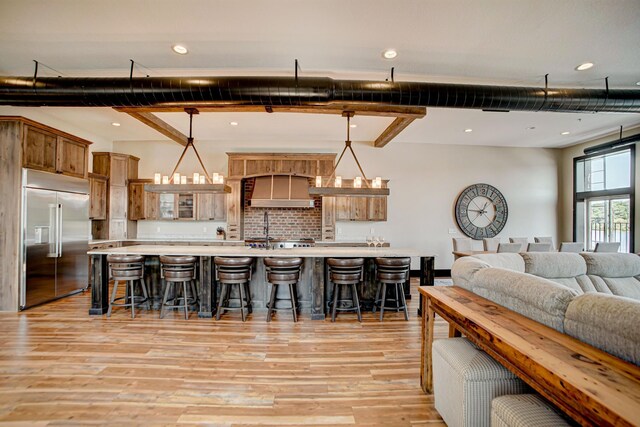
[566, 132]
[233, 123]
[584, 66]
[389, 54]
[468, 130]
[116, 124]
[353, 125]
[179, 49]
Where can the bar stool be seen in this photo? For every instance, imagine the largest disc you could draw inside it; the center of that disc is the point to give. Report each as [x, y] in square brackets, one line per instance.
[176, 270]
[230, 272]
[391, 271]
[127, 268]
[345, 272]
[283, 271]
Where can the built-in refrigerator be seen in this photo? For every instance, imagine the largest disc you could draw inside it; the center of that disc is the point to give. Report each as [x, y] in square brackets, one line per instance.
[55, 237]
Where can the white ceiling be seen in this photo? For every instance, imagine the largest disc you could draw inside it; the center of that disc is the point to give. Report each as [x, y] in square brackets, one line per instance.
[465, 41]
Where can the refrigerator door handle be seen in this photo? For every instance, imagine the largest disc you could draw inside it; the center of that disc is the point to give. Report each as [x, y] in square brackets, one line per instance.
[59, 238]
[52, 234]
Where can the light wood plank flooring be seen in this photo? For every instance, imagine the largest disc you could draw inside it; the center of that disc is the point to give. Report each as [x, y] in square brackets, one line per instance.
[59, 366]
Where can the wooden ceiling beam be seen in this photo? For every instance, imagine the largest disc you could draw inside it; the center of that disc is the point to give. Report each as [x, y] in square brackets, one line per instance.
[397, 126]
[358, 109]
[404, 116]
[160, 125]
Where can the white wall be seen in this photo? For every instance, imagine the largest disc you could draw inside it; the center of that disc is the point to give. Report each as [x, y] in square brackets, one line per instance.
[425, 182]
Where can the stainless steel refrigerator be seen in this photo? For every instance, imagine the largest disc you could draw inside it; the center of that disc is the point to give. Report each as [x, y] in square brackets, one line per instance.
[55, 238]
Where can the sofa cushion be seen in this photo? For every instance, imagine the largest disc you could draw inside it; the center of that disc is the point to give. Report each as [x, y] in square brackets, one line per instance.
[509, 261]
[605, 264]
[551, 265]
[614, 273]
[567, 269]
[465, 268]
[607, 322]
[534, 297]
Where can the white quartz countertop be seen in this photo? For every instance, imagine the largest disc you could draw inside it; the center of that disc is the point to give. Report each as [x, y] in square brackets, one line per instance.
[166, 239]
[319, 252]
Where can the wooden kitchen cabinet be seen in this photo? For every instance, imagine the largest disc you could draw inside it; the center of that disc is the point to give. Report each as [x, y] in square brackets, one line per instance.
[234, 210]
[120, 169]
[359, 211]
[72, 158]
[97, 196]
[377, 208]
[211, 207]
[180, 206]
[142, 204]
[343, 209]
[39, 149]
[328, 218]
[350, 208]
[186, 206]
[53, 151]
[117, 202]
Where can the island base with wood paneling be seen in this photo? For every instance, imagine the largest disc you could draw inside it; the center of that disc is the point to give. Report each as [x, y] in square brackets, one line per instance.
[313, 290]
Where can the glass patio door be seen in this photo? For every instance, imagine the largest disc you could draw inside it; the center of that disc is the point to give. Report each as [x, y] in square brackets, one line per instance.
[608, 220]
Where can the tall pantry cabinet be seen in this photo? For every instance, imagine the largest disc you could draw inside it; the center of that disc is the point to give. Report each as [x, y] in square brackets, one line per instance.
[119, 169]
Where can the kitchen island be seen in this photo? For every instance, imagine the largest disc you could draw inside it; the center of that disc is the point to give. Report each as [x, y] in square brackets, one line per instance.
[312, 286]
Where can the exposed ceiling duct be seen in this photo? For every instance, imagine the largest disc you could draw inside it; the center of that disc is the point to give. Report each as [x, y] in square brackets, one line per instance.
[304, 91]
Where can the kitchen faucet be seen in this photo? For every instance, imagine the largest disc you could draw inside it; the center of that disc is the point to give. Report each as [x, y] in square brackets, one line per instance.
[266, 229]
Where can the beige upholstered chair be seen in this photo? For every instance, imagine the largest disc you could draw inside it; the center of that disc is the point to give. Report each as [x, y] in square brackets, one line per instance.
[509, 247]
[491, 244]
[575, 247]
[539, 247]
[522, 240]
[607, 247]
[548, 240]
[462, 244]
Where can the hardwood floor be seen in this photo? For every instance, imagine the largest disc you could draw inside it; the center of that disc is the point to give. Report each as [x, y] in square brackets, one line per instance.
[59, 366]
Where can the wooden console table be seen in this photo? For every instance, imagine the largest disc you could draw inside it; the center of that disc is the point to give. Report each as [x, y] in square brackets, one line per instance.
[590, 385]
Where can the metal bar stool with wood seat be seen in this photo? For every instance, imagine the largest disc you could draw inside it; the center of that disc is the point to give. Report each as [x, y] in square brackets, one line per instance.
[175, 270]
[128, 269]
[286, 272]
[392, 271]
[230, 272]
[345, 272]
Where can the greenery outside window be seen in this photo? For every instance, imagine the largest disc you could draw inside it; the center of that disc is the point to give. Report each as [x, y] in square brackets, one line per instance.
[604, 198]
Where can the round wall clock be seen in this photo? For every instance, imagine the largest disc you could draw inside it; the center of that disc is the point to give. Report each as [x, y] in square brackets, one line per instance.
[481, 211]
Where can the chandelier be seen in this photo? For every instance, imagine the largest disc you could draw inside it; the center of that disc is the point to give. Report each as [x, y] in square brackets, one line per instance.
[359, 186]
[197, 183]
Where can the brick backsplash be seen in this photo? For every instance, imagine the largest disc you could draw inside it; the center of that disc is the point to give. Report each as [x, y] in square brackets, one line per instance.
[284, 223]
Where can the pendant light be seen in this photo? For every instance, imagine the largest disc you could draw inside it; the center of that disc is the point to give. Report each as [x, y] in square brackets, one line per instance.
[199, 183]
[359, 186]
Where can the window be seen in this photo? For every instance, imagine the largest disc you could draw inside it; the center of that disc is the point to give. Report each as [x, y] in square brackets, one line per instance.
[604, 198]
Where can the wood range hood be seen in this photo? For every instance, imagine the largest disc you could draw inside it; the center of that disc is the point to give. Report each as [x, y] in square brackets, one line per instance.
[281, 191]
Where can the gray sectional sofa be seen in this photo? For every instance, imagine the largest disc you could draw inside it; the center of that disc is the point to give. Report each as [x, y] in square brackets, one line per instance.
[594, 297]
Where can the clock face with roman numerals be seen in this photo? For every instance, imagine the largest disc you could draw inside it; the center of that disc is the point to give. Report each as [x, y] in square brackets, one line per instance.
[481, 211]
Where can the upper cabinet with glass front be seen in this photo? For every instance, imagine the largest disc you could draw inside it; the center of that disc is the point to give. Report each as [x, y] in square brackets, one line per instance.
[177, 206]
